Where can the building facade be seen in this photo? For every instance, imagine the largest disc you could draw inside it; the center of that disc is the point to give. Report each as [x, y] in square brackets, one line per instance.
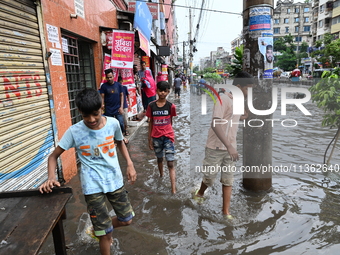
[294, 19]
[52, 49]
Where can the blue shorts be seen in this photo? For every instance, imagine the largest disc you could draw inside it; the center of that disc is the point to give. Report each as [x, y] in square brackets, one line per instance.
[163, 145]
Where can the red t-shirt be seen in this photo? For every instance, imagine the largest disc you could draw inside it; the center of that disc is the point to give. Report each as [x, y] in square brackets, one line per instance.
[161, 118]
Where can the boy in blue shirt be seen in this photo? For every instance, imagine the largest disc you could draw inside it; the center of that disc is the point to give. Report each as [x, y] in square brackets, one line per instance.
[101, 177]
[113, 98]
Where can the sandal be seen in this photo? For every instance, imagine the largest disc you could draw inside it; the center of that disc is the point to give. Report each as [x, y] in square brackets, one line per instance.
[126, 141]
[199, 199]
[228, 217]
[126, 133]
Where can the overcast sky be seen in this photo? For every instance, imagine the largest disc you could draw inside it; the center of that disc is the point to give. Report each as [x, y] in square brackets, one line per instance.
[216, 29]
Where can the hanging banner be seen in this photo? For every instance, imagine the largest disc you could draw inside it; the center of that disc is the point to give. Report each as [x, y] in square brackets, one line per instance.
[132, 111]
[107, 65]
[109, 39]
[165, 72]
[143, 19]
[129, 82]
[146, 59]
[122, 49]
[144, 44]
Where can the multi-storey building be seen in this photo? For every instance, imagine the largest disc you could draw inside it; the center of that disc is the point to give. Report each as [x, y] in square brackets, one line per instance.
[322, 18]
[293, 18]
[335, 26]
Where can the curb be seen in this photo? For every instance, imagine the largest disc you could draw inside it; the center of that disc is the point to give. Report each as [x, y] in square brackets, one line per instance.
[134, 126]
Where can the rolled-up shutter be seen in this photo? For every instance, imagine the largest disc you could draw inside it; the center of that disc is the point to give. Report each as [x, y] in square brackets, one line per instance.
[26, 136]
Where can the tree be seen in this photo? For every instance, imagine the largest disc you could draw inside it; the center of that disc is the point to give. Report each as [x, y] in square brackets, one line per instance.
[287, 59]
[326, 94]
[328, 51]
[237, 62]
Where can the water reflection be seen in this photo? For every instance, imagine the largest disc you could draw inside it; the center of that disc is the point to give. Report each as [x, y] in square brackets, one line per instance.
[299, 215]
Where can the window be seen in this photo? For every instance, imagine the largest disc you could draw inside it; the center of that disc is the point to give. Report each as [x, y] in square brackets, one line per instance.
[306, 28]
[287, 30]
[297, 29]
[336, 4]
[296, 20]
[322, 8]
[320, 23]
[336, 20]
[297, 10]
[79, 68]
[276, 30]
[276, 21]
[306, 19]
[298, 39]
[306, 9]
[288, 10]
[286, 21]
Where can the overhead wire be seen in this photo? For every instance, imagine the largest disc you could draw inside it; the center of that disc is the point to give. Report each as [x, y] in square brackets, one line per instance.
[187, 7]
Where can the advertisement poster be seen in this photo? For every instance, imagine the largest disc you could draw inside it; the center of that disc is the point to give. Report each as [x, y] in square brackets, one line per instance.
[144, 44]
[107, 65]
[109, 40]
[129, 82]
[165, 72]
[133, 102]
[122, 49]
[146, 59]
[266, 49]
[259, 18]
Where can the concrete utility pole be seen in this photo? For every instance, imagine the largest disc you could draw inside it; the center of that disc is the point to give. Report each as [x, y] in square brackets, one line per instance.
[184, 60]
[257, 138]
[190, 42]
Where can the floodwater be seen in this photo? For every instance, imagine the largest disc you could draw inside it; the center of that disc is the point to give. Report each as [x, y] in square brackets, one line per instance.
[299, 215]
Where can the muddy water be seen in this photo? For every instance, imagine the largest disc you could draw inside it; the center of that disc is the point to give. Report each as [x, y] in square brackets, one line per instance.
[300, 215]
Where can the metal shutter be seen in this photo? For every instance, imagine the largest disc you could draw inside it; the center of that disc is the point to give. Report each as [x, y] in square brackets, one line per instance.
[26, 136]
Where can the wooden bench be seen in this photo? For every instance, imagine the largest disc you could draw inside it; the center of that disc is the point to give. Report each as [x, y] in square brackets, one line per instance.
[27, 217]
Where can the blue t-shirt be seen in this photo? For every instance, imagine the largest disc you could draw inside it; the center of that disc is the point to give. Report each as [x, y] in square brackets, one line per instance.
[125, 92]
[100, 170]
[111, 97]
[201, 82]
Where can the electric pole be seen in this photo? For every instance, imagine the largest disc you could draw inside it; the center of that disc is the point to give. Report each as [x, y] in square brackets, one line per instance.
[257, 132]
[184, 60]
[190, 42]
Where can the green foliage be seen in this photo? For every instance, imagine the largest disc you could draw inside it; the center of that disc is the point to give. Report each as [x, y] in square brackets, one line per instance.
[326, 94]
[237, 63]
[285, 45]
[209, 70]
[213, 77]
[330, 53]
[196, 69]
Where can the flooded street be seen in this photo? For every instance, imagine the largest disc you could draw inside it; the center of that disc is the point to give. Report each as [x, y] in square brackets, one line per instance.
[300, 215]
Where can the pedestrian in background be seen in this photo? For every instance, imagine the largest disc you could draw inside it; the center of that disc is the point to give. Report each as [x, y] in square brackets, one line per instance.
[113, 98]
[161, 134]
[221, 144]
[101, 177]
[177, 86]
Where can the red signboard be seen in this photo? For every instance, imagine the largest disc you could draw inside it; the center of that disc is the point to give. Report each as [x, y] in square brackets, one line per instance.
[123, 49]
[146, 59]
[153, 7]
[144, 43]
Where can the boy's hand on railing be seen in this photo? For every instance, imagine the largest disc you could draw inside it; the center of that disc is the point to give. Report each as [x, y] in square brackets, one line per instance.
[48, 185]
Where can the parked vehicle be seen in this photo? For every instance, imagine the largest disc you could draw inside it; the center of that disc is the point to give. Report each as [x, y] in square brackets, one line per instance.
[285, 75]
[318, 73]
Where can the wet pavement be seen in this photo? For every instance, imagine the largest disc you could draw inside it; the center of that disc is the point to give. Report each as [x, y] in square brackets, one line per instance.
[300, 215]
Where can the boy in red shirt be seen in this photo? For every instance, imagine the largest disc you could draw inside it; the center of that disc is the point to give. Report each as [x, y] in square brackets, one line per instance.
[161, 133]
